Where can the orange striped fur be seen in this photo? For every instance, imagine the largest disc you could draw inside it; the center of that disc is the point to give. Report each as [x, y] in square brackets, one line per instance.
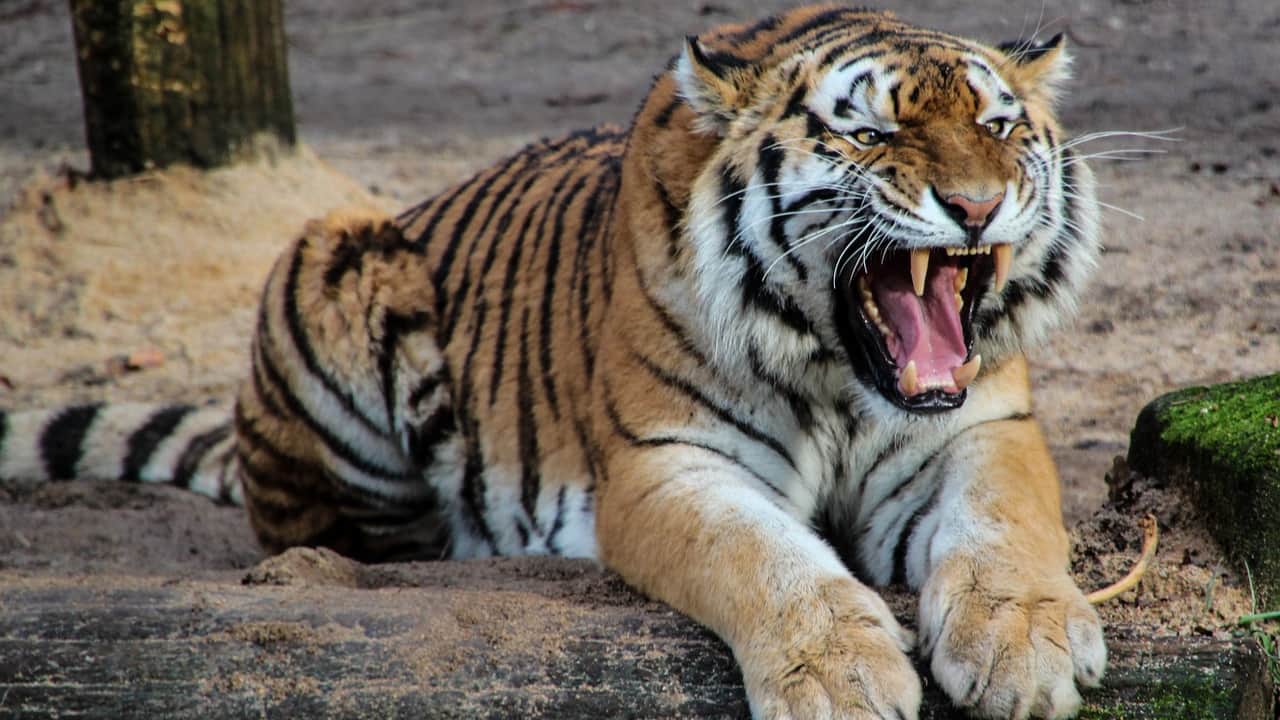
[691, 349]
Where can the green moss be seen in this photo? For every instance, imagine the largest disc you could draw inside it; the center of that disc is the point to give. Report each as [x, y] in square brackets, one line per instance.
[1222, 443]
[1168, 703]
[1165, 694]
[1239, 423]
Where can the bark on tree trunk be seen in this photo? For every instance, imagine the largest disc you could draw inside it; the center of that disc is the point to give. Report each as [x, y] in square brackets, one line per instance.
[180, 81]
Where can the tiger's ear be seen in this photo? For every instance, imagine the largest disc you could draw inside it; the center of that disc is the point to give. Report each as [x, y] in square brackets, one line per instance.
[1039, 69]
[714, 84]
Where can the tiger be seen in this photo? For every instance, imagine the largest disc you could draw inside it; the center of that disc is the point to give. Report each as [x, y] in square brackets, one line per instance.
[757, 353]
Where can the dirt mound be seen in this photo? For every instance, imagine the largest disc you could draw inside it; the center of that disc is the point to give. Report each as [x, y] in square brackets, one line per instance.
[169, 261]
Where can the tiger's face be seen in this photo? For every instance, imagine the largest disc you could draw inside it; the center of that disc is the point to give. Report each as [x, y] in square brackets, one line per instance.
[904, 191]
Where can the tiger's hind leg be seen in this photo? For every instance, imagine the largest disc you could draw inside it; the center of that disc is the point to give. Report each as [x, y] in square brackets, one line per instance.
[347, 408]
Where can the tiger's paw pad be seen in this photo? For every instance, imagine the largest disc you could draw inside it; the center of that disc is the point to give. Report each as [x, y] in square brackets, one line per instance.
[1012, 653]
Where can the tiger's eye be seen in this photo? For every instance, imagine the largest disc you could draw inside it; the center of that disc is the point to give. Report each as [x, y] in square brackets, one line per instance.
[997, 127]
[869, 136]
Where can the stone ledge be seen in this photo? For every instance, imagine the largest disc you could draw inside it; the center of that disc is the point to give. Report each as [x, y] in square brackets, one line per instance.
[485, 639]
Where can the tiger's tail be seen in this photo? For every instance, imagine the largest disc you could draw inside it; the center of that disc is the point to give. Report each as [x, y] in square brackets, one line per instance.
[191, 447]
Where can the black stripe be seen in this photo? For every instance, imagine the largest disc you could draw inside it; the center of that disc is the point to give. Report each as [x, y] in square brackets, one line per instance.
[719, 62]
[903, 39]
[380, 237]
[473, 481]
[62, 441]
[839, 49]
[346, 257]
[4, 428]
[527, 424]
[548, 294]
[813, 197]
[861, 78]
[410, 215]
[904, 535]
[249, 440]
[335, 444]
[224, 484]
[473, 500]
[801, 406]
[672, 216]
[462, 223]
[756, 294]
[1054, 269]
[394, 327]
[688, 389]
[896, 444]
[504, 303]
[754, 291]
[828, 17]
[591, 453]
[425, 387]
[591, 234]
[904, 482]
[731, 191]
[427, 435]
[459, 295]
[795, 104]
[663, 118]
[771, 158]
[619, 427]
[302, 342]
[557, 524]
[144, 441]
[748, 35]
[255, 375]
[606, 264]
[673, 327]
[195, 451]
[548, 206]
[446, 202]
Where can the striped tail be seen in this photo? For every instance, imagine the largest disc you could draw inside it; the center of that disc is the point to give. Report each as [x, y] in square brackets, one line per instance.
[183, 445]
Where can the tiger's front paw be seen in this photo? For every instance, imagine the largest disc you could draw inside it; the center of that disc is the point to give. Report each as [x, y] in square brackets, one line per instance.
[839, 655]
[1007, 644]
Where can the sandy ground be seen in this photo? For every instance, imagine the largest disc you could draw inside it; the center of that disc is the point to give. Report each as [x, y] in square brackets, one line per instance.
[407, 97]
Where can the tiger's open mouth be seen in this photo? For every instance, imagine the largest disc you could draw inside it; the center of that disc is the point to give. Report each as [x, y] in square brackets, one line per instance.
[907, 321]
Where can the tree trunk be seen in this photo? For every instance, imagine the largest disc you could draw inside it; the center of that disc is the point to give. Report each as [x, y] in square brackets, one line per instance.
[180, 81]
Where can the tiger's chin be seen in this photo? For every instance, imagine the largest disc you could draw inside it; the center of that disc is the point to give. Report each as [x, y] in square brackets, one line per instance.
[906, 320]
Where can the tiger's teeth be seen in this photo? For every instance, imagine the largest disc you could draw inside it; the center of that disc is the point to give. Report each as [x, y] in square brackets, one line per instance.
[919, 269]
[907, 381]
[965, 374]
[951, 251]
[1003, 258]
[865, 289]
[959, 302]
[962, 279]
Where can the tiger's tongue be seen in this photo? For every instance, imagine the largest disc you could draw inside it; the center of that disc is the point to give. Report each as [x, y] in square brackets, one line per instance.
[928, 328]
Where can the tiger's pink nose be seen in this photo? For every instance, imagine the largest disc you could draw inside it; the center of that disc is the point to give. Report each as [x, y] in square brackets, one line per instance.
[972, 213]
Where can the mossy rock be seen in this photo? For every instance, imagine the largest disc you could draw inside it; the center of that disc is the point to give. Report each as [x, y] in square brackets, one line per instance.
[1222, 443]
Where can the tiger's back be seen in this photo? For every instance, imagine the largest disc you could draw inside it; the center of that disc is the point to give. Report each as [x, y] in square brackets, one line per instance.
[427, 379]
